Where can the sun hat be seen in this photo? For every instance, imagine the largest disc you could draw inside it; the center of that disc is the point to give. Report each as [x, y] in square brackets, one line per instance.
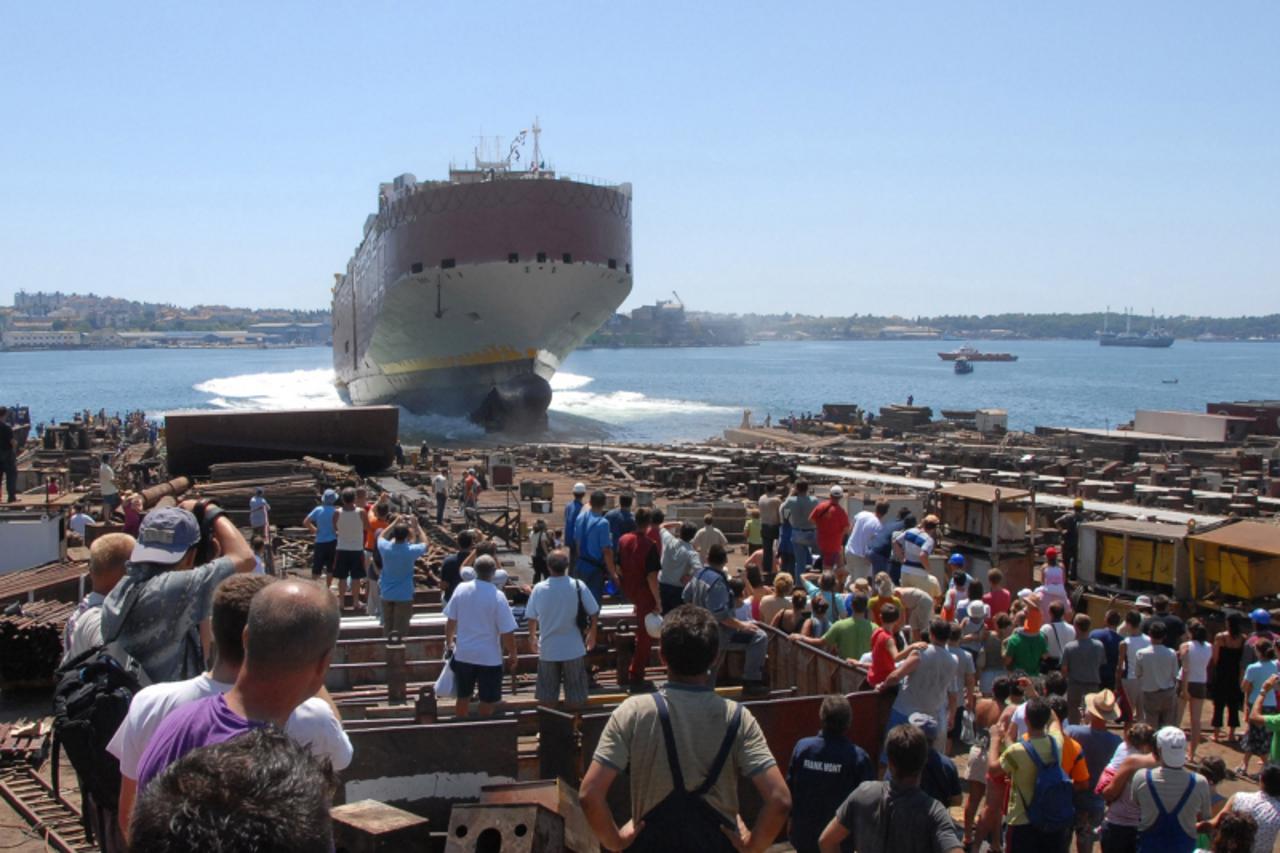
[165, 536]
[1142, 601]
[1262, 617]
[1025, 593]
[1172, 744]
[1102, 705]
[653, 625]
[579, 488]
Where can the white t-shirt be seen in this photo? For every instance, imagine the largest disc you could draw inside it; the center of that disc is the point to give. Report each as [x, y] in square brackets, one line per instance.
[1057, 634]
[441, 483]
[1133, 645]
[312, 724]
[84, 626]
[106, 480]
[866, 526]
[79, 522]
[483, 616]
[351, 530]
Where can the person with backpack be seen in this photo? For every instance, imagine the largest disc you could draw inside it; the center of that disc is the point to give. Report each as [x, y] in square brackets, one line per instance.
[1171, 798]
[709, 589]
[684, 749]
[154, 614]
[895, 814]
[108, 557]
[1041, 810]
[556, 612]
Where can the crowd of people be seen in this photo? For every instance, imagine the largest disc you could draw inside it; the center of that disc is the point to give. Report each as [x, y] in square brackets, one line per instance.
[1070, 734]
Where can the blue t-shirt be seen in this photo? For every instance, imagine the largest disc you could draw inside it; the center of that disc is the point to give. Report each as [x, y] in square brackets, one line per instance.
[593, 538]
[396, 583]
[838, 605]
[322, 517]
[822, 773]
[1110, 639]
[1257, 674]
[1098, 747]
[621, 522]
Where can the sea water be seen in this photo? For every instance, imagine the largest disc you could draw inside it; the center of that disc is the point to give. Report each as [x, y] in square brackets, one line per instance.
[683, 394]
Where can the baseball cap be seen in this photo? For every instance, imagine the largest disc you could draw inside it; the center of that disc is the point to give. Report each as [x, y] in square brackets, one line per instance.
[330, 497]
[165, 536]
[837, 492]
[1142, 601]
[1262, 617]
[500, 577]
[956, 559]
[579, 488]
[1172, 744]
[925, 723]
[1050, 552]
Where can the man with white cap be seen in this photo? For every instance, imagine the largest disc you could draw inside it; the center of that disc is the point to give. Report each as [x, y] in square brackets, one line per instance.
[571, 510]
[1171, 798]
[832, 525]
[156, 614]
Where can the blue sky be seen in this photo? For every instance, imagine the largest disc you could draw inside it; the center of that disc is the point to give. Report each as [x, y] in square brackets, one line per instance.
[911, 158]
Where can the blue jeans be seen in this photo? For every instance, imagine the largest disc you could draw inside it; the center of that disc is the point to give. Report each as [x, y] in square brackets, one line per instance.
[802, 542]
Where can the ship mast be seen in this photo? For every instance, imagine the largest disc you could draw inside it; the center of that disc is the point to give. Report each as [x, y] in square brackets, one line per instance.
[536, 165]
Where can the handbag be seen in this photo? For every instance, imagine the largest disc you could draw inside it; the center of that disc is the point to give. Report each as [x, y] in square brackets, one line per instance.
[584, 619]
[444, 684]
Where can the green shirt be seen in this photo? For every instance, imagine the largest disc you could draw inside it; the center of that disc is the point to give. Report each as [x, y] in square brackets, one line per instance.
[851, 637]
[1026, 651]
[1272, 722]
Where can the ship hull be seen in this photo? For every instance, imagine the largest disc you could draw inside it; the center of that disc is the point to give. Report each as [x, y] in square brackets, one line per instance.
[464, 299]
[1145, 342]
[481, 341]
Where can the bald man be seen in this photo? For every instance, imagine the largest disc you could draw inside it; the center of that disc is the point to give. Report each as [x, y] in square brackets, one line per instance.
[314, 724]
[288, 644]
[107, 558]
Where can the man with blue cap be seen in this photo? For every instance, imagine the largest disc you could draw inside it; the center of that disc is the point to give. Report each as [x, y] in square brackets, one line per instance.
[155, 613]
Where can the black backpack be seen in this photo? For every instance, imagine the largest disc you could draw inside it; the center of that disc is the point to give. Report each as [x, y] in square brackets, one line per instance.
[684, 820]
[91, 701]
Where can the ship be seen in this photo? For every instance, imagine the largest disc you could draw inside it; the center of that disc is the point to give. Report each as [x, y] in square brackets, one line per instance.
[465, 295]
[970, 354]
[963, 366]
[1153, 338]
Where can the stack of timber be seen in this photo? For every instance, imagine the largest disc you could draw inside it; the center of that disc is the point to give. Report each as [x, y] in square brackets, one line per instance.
[292, 486]
[32, 643]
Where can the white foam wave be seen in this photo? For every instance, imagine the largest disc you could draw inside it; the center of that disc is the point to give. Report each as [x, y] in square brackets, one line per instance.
[296, 389]
[569, 381]
[622, 406]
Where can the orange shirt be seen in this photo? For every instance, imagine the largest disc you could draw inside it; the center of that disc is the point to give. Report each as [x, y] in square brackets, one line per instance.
[376, 526]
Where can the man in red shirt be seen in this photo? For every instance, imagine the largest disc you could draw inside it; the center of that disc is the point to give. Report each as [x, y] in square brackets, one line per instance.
[998, 600]
[639, 562]
[832, 524]
[884, 650]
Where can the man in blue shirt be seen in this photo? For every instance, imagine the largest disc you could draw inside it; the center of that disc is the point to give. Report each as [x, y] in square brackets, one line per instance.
[595, 547]
[824, 770]
[621, 521]
[395, 584]
[571, 512]
[320, 522]
[1110, 638]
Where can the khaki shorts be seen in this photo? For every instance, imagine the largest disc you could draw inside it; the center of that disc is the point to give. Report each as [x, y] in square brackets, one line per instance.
[395, 617]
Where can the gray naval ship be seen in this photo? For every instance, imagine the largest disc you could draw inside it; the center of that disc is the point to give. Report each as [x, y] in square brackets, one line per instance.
[465, 295]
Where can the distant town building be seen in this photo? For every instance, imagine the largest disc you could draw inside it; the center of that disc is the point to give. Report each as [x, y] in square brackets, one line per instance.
[38, 339]
[910, 333]
[294, 333]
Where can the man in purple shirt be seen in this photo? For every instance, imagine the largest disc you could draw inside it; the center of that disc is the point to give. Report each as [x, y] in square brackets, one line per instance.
[289, 642]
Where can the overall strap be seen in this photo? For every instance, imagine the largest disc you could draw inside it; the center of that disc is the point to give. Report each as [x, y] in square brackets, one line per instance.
[1155, 795]
[673, 760]
[722, 756]
[1186, 795]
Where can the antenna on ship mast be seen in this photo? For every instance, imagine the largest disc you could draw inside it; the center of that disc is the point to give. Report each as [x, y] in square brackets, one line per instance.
[537, 150]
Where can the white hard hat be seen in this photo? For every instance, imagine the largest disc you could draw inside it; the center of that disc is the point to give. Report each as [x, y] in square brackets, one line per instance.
[579, 488]
[468, 573]
[653, 625]
[500, 577]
